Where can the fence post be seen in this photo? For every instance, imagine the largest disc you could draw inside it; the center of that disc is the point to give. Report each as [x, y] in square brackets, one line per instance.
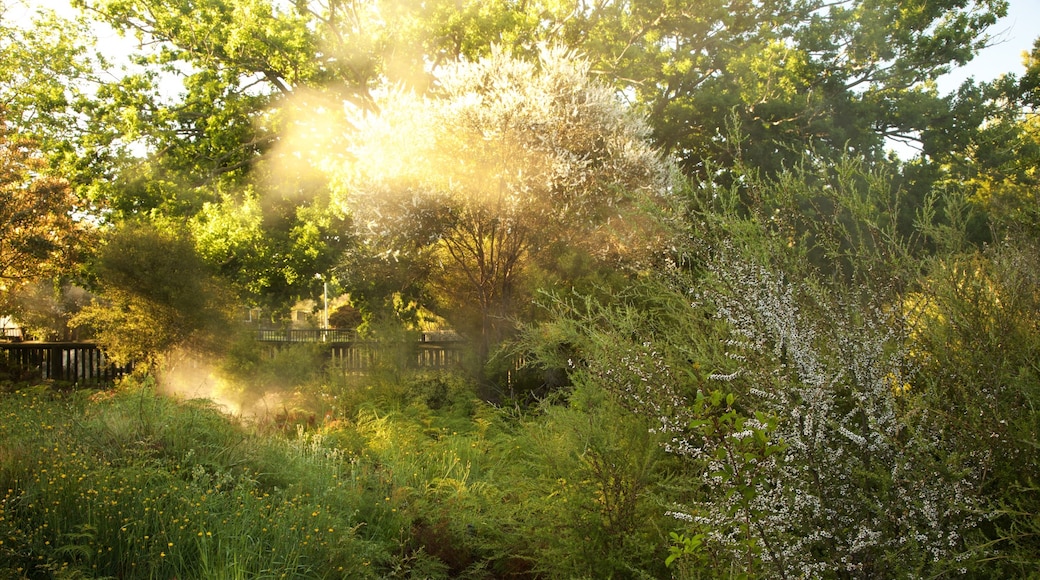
[55, 368]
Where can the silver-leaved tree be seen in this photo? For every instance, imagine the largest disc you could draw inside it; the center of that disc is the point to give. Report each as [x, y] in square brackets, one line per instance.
[503, 163]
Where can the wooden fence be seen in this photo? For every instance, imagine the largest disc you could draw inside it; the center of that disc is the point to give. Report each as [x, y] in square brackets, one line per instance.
[359, 357]
[328, 335]
[83, 363]
[79, 363]
[345, 352]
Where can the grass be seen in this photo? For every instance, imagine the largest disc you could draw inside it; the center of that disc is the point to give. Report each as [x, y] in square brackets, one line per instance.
[412, 480]
[131, 484]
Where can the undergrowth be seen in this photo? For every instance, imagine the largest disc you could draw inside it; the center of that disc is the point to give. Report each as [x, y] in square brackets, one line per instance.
[420, 481]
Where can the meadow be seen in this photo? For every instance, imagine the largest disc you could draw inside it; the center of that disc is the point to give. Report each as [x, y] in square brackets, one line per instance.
[414, 480]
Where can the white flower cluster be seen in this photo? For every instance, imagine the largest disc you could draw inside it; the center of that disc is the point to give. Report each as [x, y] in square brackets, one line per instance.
[643, 379]
[857, 481]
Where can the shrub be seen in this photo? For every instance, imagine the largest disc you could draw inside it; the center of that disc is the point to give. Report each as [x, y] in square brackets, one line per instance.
[974, 337]
[785, 399]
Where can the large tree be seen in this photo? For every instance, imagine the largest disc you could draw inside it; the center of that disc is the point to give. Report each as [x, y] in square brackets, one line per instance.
[179, 133]
[503, 162]
[718, 79]
[846, 74]
[244, 66]
[989, 146]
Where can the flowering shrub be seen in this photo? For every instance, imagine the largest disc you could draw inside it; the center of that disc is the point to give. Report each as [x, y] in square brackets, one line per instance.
[861, 487]
[790, 403]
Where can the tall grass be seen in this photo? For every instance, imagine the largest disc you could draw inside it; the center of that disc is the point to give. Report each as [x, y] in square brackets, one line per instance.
[414, 479]
[132, 484]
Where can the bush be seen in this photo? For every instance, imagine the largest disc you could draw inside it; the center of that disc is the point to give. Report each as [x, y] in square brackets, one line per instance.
[156, 294]
[975, 335]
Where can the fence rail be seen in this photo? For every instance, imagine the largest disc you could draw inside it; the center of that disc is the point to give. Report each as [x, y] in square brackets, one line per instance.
[79, 363]
[346, 352]
[332, 335]
[358, 357]
[83, 363]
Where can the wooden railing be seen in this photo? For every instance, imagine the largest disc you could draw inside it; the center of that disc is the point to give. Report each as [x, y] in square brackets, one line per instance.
[339, 335]
[330, 335]
[79, 363]
[359, 357]
[433, 350]
[83, 363]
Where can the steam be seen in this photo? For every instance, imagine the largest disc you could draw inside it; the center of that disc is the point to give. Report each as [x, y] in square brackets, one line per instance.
[189, 376]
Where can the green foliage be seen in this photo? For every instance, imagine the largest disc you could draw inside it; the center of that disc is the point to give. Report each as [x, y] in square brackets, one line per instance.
[423, 480]
[520, 159]
[601, 471]
[48, 80]
[988, 147]
[41, 237]
[974, 334]
[779, 367]
[843, 76]
[818, 371]
[155, 294]
[45, 309]
[846, 76]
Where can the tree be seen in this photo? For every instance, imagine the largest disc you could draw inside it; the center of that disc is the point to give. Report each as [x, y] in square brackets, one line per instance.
[269, 248]
[245, 62]
[506, 160]
[990, 146]
[40, 237]
[57, 90]
[843, 74]
[846, 75]
[154, 294]
[133, 149]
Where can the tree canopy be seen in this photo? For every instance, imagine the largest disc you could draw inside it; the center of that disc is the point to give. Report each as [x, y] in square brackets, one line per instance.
[502, 164]
[40, 234]
[229, 117]
[846, 75]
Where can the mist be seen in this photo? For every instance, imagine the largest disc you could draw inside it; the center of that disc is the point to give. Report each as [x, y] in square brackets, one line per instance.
[192, 376]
